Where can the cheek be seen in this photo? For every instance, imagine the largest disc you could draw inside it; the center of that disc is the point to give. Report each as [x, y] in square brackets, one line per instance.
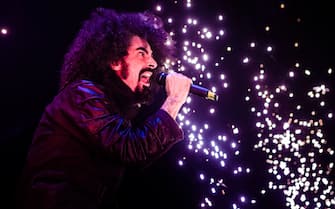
[135, 66]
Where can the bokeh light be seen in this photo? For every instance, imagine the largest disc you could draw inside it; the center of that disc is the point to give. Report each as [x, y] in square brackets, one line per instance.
[289, 117]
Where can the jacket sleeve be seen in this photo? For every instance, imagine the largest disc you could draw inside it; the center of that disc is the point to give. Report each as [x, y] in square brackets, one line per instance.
[99, 119]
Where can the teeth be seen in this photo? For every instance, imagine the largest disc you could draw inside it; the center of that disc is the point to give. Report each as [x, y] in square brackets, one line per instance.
[146, 74]
[145, 78]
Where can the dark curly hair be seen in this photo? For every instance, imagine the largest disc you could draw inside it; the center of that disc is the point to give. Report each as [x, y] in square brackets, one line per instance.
[105, 37]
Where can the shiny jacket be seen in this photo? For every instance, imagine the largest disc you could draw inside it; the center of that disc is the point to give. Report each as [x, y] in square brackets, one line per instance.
[86, 138]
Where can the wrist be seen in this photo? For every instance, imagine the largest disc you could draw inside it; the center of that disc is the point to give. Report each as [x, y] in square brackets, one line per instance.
[172, 106]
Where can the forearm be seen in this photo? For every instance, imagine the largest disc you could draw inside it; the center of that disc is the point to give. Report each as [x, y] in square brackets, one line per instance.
[172, 107]
[143, 143]
[98, 119]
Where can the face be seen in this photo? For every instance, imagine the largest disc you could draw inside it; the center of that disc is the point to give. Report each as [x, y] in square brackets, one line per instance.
[135, 69]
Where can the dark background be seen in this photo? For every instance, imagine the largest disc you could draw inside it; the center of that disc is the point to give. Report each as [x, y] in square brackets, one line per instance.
[40, 32]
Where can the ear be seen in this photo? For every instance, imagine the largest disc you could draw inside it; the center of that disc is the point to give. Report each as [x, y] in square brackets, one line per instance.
[116, 65]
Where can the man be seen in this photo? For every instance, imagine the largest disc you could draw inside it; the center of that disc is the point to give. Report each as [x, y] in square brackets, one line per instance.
[92, 130]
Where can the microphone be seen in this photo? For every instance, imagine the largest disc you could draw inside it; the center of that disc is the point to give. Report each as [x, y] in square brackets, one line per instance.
[194, 89]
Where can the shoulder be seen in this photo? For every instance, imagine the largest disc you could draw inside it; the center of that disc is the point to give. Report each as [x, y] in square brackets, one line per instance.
[86, 87]
[83, 91]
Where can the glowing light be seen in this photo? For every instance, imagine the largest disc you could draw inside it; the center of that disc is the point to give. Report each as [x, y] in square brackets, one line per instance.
[246, 60]
[291, 74]
[188, 3]
[307, 72]
[205, 57]
[159, 8]
[4, 31]
[180, 163]
[289, 122]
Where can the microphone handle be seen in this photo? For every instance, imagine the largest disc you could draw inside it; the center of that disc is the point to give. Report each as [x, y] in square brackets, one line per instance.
[203, 92]
[194, 89]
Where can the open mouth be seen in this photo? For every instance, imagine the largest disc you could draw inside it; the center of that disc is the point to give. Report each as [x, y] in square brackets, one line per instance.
[145, 76]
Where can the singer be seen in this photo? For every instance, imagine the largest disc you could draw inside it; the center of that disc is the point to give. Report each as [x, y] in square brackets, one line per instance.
[92, 132]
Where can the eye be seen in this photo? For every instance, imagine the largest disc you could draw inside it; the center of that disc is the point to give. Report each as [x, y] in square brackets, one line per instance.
[141, 53]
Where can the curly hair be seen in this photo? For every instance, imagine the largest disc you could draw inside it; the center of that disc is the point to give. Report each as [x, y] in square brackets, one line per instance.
[104, 39]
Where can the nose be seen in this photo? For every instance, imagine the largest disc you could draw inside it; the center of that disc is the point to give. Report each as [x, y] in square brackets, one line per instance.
[152, 64]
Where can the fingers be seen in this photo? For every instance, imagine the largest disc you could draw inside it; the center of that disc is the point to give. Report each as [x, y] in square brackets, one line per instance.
[178, 86]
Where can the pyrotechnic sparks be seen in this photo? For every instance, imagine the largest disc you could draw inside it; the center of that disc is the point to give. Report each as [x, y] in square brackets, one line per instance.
[289, 121]
[218, 145]
[295, 144]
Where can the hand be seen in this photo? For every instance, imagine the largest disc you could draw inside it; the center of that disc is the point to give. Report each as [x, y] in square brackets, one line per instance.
[177, 87]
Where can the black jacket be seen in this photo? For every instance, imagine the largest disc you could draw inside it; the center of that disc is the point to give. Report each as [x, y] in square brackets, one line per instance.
[86, 138]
